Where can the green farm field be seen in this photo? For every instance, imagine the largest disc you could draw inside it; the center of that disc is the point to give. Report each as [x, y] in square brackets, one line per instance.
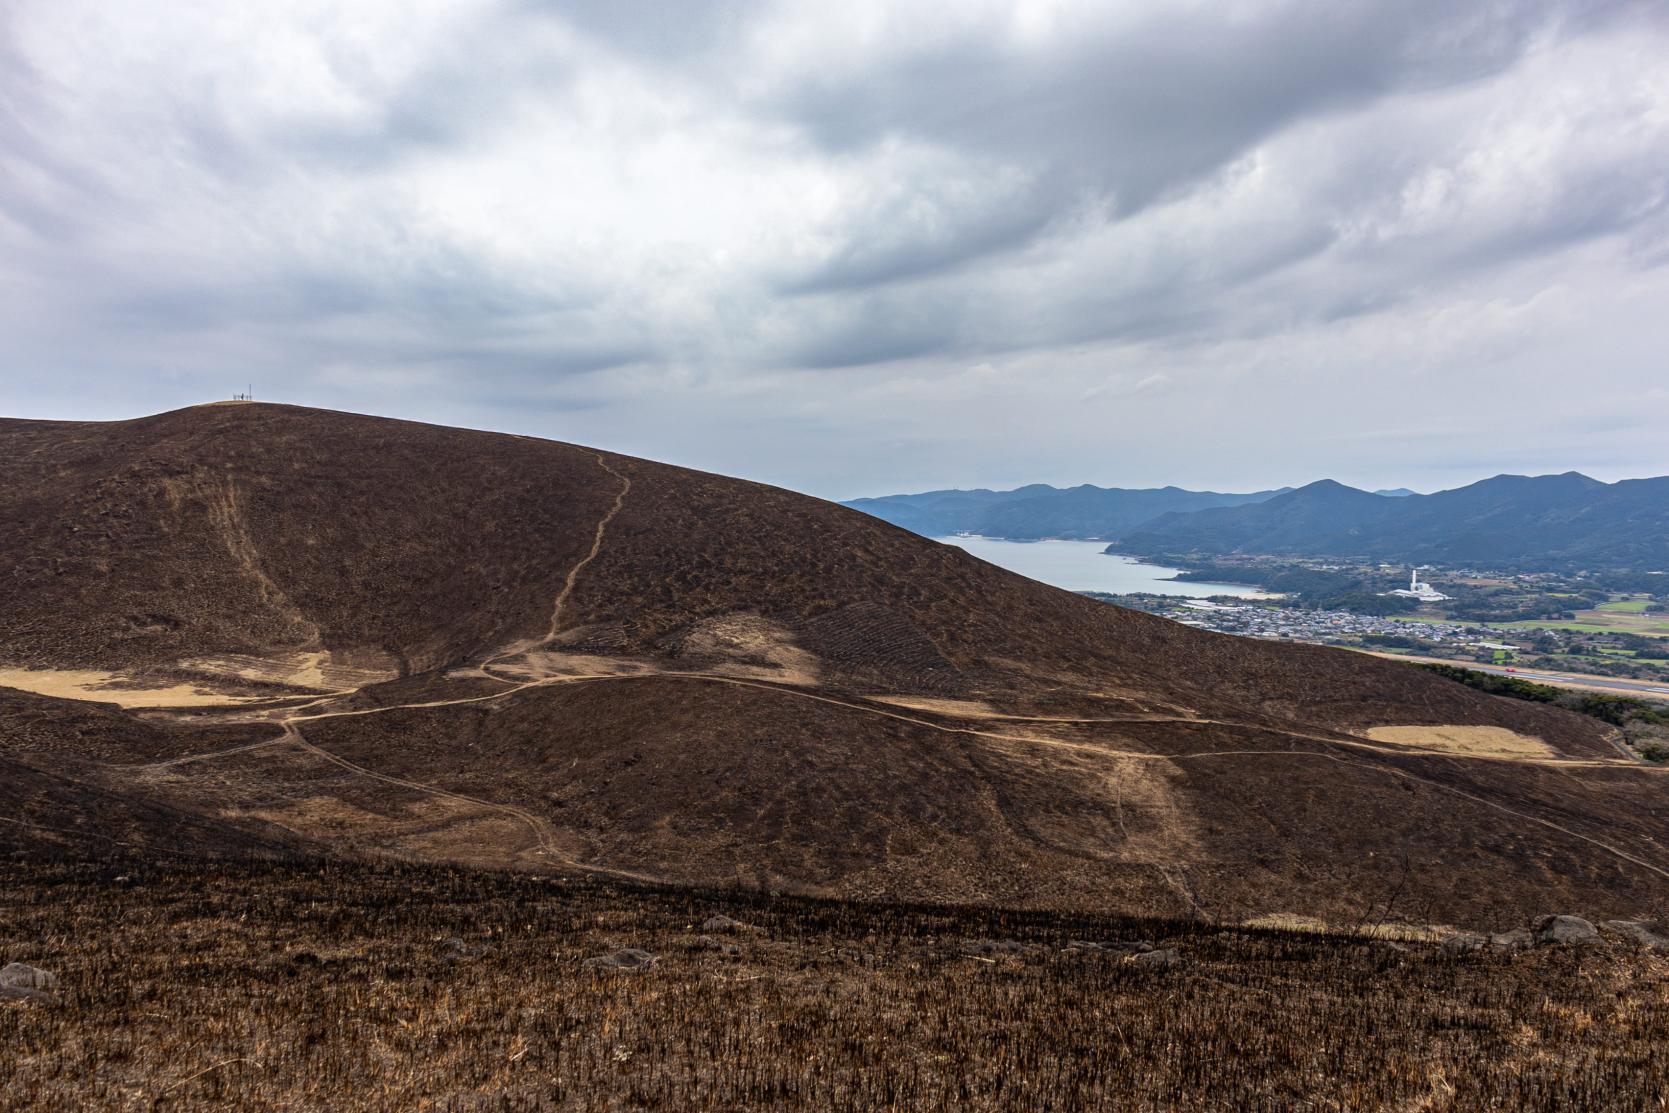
[1602, 622]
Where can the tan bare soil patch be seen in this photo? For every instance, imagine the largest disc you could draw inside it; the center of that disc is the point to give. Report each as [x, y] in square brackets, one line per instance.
[317, 670]
[961, 708]
[1153, 827]
[109, 687]
[540, 664]
[457, 835]
[748, 645]
[1285, 921]
[1476, 741]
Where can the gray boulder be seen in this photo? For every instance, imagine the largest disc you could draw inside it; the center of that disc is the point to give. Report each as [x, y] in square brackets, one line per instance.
[1517, 939]
[998, 947]
[626, 958]
[708, 943]
[456, 950]
[16, 975]
[1653, 935]
[27, 983]
[1165, 959]
[1128, 947]
[1464, 942]
[1565, 931]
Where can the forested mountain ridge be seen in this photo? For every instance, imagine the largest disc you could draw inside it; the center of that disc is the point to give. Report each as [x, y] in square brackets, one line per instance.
[1566, 521]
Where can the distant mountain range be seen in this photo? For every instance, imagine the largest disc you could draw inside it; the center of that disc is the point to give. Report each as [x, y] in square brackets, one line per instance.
[1563, 521]
[1039, 510]
[1552, 522]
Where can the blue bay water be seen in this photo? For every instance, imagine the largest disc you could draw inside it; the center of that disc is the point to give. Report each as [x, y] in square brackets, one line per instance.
[1082, 566]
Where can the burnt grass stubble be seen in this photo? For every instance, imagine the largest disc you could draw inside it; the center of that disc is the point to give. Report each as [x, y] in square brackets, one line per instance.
[344, 986]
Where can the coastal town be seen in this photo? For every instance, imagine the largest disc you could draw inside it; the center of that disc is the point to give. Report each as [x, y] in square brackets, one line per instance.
[1325, 627]
[1608, 660]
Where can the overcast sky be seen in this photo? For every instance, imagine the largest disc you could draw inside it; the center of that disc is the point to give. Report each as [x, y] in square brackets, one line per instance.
[860, 248]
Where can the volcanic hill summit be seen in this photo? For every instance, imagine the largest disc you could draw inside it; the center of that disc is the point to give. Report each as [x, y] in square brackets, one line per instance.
[260, 629]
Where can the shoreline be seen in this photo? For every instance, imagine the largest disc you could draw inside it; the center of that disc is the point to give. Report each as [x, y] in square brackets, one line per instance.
[1073, 578]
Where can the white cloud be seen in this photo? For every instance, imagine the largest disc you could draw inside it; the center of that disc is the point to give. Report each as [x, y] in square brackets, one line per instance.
[865, 246]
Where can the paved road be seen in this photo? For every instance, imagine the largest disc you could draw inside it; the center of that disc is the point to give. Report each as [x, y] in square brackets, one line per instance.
[1647, 688]
[1638, 687]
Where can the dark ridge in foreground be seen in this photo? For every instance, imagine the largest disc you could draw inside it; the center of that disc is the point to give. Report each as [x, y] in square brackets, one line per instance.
[344, 987]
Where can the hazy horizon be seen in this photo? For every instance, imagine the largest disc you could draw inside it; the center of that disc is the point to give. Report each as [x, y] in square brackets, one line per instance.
[1220, 488]
[879, 249]
[1226, 490]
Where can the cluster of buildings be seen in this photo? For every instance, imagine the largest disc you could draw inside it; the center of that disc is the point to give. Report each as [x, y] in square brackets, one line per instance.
[1297, 625]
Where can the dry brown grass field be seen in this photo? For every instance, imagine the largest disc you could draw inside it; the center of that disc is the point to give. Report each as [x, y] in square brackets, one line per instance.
[344, 987]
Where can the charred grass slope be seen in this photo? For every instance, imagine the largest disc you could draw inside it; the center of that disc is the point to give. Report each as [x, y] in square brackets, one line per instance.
[349, 988]
[1058, 752]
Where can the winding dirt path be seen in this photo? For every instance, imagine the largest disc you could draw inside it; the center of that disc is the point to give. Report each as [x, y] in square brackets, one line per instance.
[291, 730]
[541, 835]
[546, 844]
[596, 547]
[915, 720]
[210, 755]
[541, 831]
[567, 590]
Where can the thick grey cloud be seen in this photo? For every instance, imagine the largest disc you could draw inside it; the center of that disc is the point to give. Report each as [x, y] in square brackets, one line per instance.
[864, 247]
[1138, 106]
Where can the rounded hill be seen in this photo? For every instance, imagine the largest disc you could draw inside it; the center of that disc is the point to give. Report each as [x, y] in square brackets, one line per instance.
[366, 636]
